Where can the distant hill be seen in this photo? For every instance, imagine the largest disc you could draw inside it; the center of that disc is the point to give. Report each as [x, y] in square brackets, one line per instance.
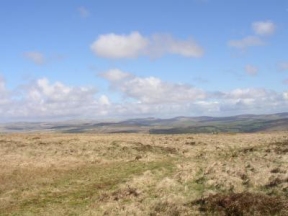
[176, 125]
[235, 124]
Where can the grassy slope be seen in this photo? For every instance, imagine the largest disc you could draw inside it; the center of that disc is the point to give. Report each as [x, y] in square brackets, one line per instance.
[138, 174]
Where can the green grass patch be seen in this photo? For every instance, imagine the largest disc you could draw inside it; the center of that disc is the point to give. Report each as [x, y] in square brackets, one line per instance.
[79, 188]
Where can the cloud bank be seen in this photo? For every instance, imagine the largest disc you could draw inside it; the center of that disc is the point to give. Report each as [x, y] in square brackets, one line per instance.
[139, 97]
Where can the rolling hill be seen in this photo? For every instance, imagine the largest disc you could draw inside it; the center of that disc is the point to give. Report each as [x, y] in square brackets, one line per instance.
[177, 125]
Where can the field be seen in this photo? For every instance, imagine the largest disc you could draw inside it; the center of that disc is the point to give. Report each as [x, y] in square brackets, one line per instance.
[144, 174]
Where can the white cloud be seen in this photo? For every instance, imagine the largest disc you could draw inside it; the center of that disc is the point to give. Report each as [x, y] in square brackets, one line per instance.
[151, 90]
[37, 57]
[134, 45]
[260, 28]
[251, 100]
[186, 48]
[43, 92]
[41, 99]
[251, 70]
[238, 101]
[246, 42]
[285, 95]
[104, 100]
[263, 28]
[84, 12]
[119, 46]
[161, 44]
[45, 99]
[142, 96]
[248, 93]
[115, 75]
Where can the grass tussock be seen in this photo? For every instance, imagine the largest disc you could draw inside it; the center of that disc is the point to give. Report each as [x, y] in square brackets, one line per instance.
[242, 204]
[142, 174]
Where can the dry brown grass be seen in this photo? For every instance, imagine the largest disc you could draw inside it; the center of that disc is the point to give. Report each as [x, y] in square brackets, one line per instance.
[242, 204]
[141, 174]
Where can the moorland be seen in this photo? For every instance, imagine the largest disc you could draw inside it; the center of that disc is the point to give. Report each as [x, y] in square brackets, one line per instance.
[225, 173]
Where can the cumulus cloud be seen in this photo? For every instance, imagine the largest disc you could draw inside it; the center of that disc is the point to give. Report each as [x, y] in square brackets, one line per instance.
[36, 57]
[251, 100]
[251, 70]
[115, 75]
[84, 12]
[141, 96]
[134, 45]
[264, 28]
[119, 46]
[42, 99]
[43, 90]
[246, 42]
[151, 90]
[153, 96]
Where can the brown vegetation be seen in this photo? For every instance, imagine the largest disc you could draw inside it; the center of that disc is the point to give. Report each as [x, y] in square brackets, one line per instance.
[141, 174]
[242, 204]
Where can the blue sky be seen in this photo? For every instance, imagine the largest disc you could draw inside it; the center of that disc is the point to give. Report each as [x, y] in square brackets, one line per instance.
[126, 59]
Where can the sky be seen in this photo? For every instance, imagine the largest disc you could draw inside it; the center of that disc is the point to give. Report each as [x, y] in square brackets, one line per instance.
[89, 59]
